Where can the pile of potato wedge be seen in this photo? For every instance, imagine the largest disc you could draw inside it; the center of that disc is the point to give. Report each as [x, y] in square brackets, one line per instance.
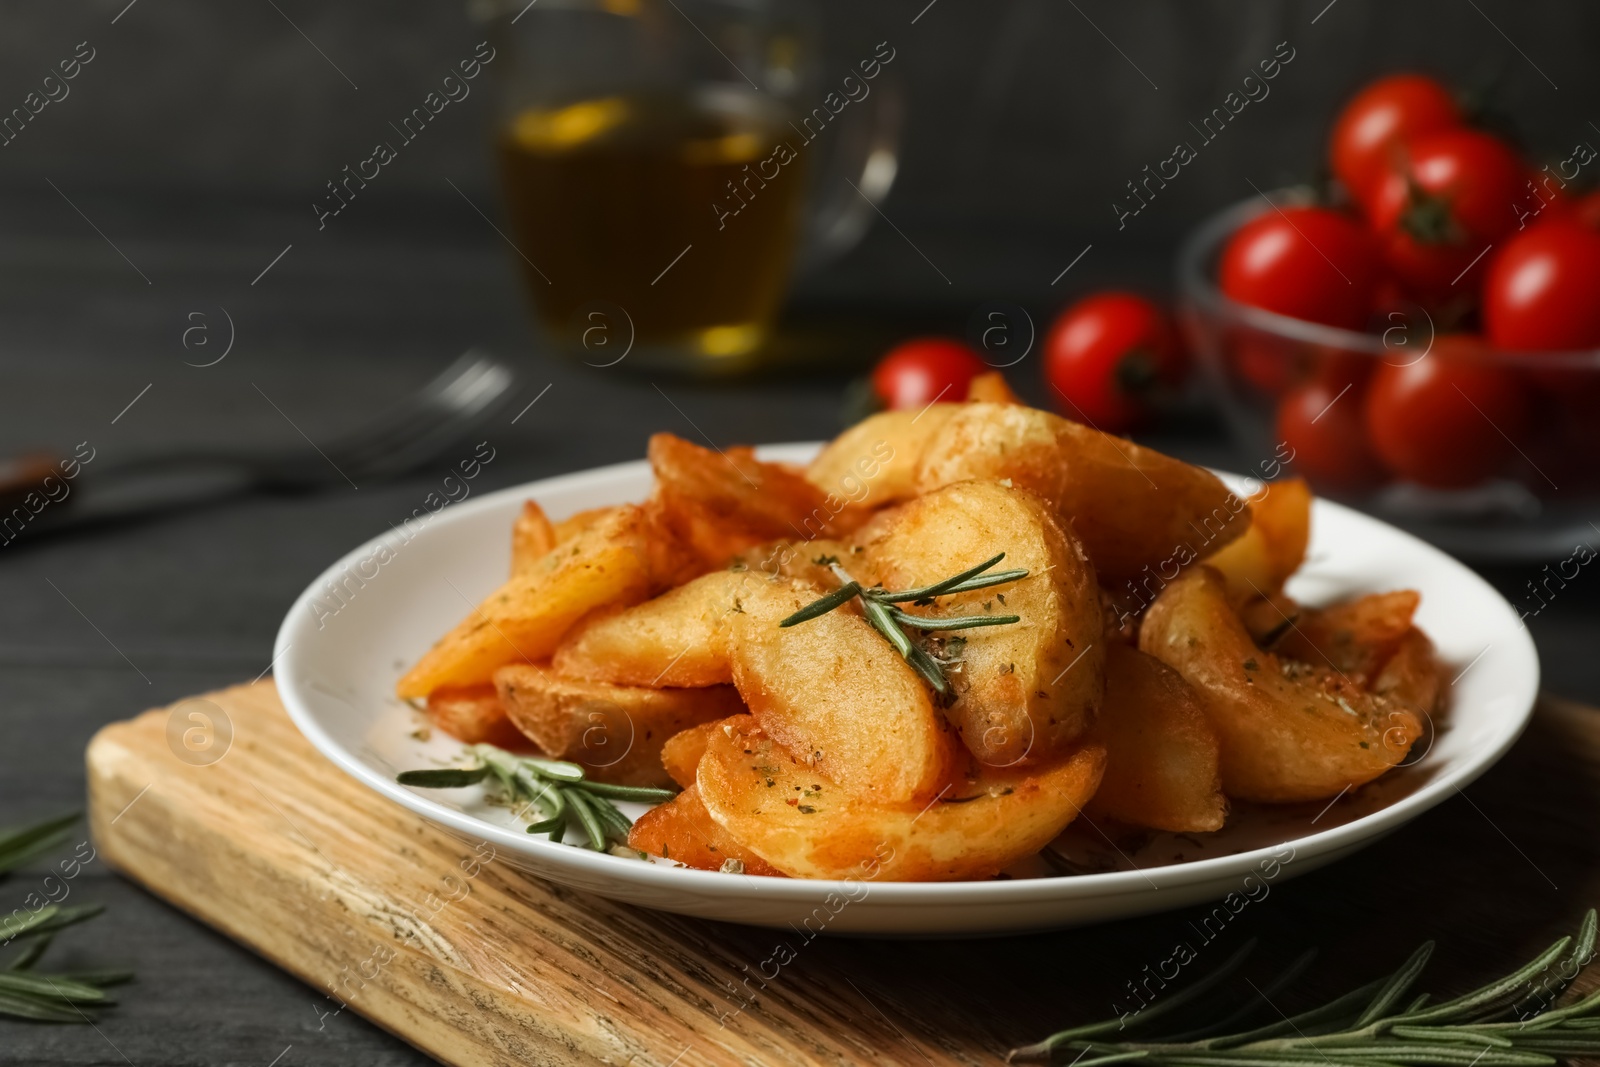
[1157, 671]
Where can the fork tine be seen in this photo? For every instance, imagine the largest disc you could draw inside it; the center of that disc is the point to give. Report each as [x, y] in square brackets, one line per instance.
[395, 424]
[451, 414]
[421, 424]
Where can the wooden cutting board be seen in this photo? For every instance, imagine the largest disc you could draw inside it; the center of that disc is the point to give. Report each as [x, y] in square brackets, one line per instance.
[476, 963]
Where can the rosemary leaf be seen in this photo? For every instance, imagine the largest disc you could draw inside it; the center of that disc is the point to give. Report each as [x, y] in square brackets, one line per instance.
[444, 777]
[26, 983]
[38, 1009]
[23, 844]
[100, 979]
[47, 920]
[640, 793]
[30, 953]
[950, 622]
[823, 605]
[928, 592]
[590, 821]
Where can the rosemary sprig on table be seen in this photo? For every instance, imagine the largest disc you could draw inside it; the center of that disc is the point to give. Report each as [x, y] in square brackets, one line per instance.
[878, 605]
[26, 993]
[561, 791]
[1510, 1022]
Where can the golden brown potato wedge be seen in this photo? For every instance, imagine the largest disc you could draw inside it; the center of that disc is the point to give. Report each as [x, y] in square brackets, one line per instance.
[576, 523]
[874, 462]
[793, 559]
[682, 830]
[808, 827]
[1289, 730]
[532, 537]
[681, 754]
[616, 732]
[1161, 751]
[837, 694]
[991, 387]
[766, 500]
[677, 639]
[1413, 676]
[1274, 546]
[473, 715]
[1132, 508]
[621, 559]
[1354, 637]
[1022, 691]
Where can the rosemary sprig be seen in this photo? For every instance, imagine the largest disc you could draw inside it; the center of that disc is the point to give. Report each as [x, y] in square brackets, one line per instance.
[1510, 1022]
[26, 993]
[878, 607]
[560, 791]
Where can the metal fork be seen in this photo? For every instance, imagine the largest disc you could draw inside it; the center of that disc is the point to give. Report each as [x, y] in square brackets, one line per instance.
[445, 411]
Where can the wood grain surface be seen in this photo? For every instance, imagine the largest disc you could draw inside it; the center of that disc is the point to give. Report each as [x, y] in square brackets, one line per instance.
[475, 963]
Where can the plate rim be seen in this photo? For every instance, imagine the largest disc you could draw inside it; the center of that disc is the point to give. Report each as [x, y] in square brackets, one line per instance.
[712, 884]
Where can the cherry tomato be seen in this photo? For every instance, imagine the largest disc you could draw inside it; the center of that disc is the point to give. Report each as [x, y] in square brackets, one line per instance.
[1458, 192]
[1321, 422]
[1543, 289]
[915, 373]
[1378, 120]
[1447, 420]
[1305, 262]
[1108, 356]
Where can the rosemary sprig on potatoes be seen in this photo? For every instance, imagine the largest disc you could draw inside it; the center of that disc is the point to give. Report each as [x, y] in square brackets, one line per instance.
[1510, 1022]
[561, 791]
[878, 606]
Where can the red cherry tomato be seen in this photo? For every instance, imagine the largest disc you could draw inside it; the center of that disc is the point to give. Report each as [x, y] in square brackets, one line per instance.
[915, 373]
[1108, 356]
[1378, 120]
[1446, 421]
[1305, 262]
[1322, 424]
[1458, 192]
[1543, 289]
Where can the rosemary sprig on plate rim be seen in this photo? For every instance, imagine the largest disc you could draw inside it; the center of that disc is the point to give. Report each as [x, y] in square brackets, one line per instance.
[1510, 1022]
[878, 605]
[26, 993]
[561, 791]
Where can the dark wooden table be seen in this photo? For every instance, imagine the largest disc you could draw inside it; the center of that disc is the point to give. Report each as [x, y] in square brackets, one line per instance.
[98, 627]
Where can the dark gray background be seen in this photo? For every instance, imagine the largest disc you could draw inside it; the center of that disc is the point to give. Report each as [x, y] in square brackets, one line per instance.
[195, 142]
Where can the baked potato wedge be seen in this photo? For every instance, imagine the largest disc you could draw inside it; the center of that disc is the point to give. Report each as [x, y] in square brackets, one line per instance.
[874, 462]
[622, 559]
[532, 537]
[682, 830]
[1131, 507]
[615, 732]
[1413, 676]
[677, 639]
[808, 827]
[1355, 637]
[1289, 731]
[1021, 691]
[1274, 546]
[837, 694]
[473, 715]
[681, 754]
[991, 387]
[579, 521]
[764, 500]
[1161, 751]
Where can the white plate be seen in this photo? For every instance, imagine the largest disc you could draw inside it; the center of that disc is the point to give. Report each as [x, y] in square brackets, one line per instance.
[338, 657]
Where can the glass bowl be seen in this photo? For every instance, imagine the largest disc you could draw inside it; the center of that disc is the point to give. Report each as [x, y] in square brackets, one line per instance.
[1541, 503]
